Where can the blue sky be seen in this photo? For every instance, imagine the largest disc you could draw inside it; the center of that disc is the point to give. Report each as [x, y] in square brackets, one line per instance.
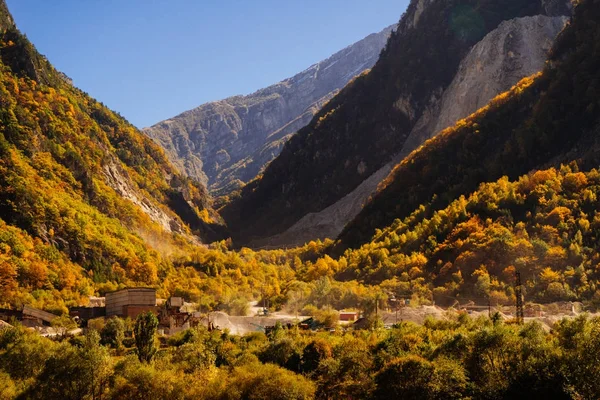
[153, 59]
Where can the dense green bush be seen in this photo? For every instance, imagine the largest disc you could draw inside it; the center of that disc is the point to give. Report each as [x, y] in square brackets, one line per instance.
[451, 358]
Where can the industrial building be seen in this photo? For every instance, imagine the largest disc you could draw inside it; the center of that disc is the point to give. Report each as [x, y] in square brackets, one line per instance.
[130, 302]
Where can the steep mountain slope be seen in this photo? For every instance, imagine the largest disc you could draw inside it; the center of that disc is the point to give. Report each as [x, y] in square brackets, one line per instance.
[227, 143]
[544, 225]
[547, 119]
[79, 186]
[516, 49]
[367, 124]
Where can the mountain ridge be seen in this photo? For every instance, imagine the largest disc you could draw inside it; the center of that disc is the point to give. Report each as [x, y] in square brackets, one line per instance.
[228, 142]
[367, 123]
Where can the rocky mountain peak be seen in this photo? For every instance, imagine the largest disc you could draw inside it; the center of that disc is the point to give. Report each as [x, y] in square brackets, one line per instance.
[227, 143]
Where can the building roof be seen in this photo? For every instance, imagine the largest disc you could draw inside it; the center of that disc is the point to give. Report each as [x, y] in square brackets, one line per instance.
[5, 325]
[40, 314]
[134, 289]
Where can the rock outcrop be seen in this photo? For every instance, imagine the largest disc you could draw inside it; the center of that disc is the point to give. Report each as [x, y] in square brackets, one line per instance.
[117, 179]
[516, 49]
[225, 144]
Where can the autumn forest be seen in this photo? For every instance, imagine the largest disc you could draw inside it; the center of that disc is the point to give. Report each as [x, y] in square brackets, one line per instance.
[89, 205]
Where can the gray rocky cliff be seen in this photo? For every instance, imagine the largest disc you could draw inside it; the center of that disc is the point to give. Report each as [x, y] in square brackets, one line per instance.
[227, 143]
[516, 49]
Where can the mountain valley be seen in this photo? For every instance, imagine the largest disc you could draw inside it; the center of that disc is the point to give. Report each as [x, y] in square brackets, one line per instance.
[416, 217]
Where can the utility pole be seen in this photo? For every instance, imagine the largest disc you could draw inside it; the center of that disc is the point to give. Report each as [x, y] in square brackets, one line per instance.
[519, 296]
[394, 301]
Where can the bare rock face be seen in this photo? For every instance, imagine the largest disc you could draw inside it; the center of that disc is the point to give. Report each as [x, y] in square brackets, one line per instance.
[516, 49]
[117, 179]
[225, 144]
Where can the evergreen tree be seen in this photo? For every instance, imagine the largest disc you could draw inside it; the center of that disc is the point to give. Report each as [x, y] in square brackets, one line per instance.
[145, 336]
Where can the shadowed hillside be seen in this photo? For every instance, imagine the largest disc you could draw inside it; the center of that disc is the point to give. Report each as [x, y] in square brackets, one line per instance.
[546, 119]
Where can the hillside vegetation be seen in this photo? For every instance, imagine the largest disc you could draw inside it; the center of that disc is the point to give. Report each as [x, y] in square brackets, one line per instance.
[367, 123]
[455, 358]
[544, 120]
[82, 192]
[545, 225]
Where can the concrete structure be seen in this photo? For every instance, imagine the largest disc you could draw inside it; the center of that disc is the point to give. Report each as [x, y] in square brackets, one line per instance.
[130, 302]
[133, 311]
[28, 316]
[175, 302]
